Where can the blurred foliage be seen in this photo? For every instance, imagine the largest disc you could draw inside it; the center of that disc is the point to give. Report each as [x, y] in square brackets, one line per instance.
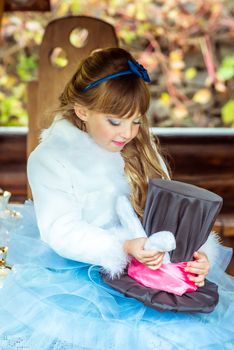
[228, 113]
[226, 69]
[187, 46]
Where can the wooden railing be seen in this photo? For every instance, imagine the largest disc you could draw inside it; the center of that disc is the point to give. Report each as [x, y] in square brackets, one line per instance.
[13, 162]
[198, 156]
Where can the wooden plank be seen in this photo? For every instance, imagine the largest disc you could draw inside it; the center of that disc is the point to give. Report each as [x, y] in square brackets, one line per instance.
[224, 225]
[13, 165]
[14, 179]
[12, 149]
[196, 156]
[36, 5]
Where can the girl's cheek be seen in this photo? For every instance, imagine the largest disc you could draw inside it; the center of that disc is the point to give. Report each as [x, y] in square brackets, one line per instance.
[136, 130]
[109, 134]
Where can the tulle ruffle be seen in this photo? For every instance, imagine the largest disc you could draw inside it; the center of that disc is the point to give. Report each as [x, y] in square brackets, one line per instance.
[49, 302]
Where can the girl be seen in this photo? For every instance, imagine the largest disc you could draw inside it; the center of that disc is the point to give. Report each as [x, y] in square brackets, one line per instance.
[96, 154]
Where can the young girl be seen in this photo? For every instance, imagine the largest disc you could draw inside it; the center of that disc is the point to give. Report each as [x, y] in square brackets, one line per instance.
[97, 152]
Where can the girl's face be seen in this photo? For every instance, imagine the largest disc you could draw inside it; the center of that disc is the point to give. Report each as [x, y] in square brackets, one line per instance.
[111, 132]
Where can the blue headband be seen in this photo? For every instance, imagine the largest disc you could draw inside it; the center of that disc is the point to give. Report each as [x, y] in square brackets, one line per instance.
[134, 68]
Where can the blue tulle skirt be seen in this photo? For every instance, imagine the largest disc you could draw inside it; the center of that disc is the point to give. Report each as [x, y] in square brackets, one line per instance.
[51, 303]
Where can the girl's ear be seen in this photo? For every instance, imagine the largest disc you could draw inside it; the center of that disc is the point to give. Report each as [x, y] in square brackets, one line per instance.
[81, 112]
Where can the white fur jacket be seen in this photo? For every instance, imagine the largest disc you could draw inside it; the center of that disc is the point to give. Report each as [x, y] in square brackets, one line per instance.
[81, 199]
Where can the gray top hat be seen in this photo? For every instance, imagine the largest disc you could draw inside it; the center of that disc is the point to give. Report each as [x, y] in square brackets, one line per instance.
[189, 212]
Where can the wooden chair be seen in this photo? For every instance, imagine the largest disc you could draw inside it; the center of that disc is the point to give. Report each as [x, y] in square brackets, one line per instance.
[43, 94]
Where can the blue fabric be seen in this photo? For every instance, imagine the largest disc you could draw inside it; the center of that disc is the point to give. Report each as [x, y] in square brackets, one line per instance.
[49, 302]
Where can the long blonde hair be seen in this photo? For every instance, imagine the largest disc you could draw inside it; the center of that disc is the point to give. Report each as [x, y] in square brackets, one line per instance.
[122, 96]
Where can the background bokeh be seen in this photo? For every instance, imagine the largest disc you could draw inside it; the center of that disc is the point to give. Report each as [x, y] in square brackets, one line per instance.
[187, 46]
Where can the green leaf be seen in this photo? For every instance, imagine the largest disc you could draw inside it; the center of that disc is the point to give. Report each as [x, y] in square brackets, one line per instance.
[227, 113]
[165, 98]
[225, 73]
[75, 7]
[226, 69]
[26, 66]
[127, 35]
[190, 73]
[228, 61]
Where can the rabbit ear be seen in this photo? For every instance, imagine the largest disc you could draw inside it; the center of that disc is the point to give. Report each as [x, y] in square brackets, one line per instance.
[163, 241]
[128, 218]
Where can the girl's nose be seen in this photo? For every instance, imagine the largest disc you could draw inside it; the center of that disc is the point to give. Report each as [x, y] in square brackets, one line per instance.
[126, 131]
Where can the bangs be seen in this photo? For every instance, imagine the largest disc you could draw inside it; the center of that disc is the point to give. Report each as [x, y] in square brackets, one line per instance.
[124, 97]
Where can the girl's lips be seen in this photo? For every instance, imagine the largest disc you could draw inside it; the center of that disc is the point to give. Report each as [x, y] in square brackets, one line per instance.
[119, 144]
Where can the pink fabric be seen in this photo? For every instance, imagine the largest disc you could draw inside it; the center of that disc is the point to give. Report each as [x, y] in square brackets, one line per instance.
[169, 277]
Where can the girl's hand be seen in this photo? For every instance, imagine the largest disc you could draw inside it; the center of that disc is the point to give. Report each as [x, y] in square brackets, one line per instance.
[200, 266]
[151, 258]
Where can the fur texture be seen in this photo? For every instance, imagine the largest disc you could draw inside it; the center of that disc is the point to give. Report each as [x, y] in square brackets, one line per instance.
[211, 248]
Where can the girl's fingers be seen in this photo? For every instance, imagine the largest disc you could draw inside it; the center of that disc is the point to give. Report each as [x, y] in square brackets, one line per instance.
[194, 266]
[155, 257]
[155, 266]
[200, 256]
[200, 284]
[197, 271]
[150, 261]
[197, 279]
[197, 263]
[154, 262]
[149, 254]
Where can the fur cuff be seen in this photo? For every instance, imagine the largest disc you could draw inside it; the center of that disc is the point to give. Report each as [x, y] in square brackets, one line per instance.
[211, 247]
[118, 260]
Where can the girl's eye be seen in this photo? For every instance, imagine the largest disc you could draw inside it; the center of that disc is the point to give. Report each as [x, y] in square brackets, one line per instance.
[137, 122]
[114, 122]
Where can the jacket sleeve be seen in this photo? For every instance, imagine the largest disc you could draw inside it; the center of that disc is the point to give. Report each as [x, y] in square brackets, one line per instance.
[59, 217]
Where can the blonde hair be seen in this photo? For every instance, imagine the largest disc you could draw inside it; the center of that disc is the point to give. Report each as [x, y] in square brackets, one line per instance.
[123, 96]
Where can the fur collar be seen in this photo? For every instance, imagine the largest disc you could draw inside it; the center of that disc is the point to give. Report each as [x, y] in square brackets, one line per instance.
[81, 146]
